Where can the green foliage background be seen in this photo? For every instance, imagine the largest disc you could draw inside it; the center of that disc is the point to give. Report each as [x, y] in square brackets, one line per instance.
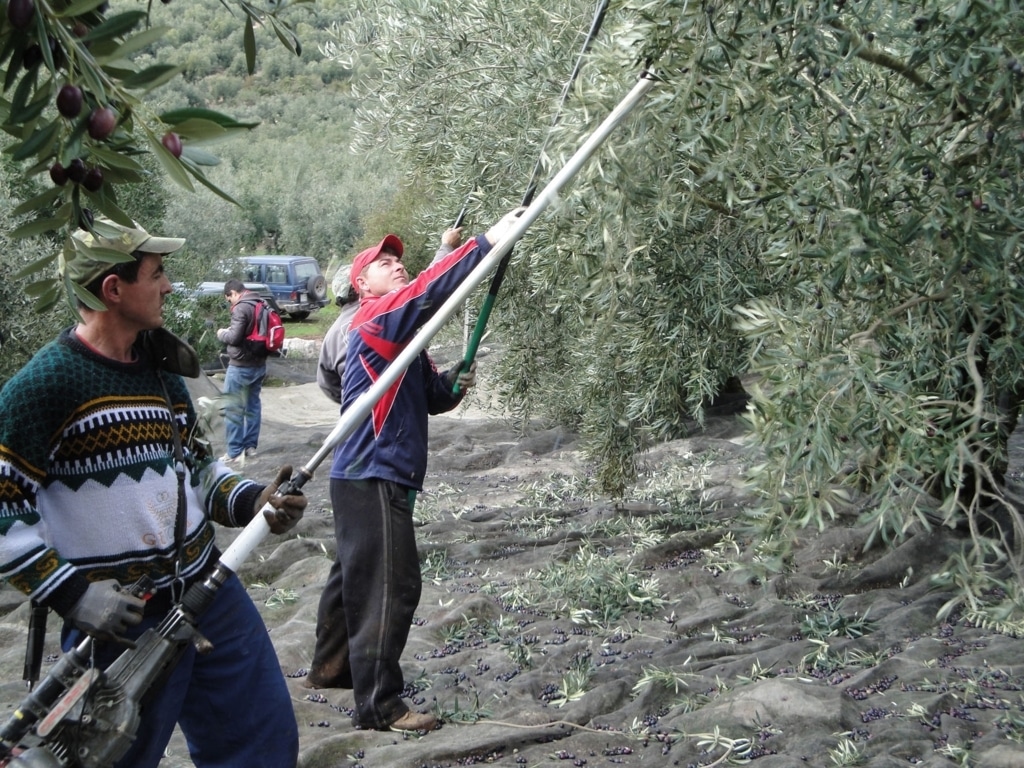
[822, 198]
[300, 187]
[22, 331]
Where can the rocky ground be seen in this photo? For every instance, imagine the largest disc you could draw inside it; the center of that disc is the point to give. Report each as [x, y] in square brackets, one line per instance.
[557, 627]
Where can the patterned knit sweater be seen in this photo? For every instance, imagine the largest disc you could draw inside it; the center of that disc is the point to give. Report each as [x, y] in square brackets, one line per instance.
[87, 483]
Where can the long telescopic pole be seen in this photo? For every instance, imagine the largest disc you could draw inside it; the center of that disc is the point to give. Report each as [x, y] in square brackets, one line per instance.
[361, 407]
[499, 275]
[595, 27]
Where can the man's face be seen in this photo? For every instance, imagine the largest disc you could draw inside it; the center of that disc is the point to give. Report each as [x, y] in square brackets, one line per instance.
[142, 302]
[387, 273]
[233, 297]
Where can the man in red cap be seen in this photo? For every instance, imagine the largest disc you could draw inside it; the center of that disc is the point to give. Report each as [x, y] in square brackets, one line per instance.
[367, 606]
[331, 363]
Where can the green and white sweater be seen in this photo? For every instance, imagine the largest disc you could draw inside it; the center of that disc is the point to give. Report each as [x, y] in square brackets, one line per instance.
[87, 484]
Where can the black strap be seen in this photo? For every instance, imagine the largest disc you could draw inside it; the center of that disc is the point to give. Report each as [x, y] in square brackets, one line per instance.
[34, 643]
[180, 519]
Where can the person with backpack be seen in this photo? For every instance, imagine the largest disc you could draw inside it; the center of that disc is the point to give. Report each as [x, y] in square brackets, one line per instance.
[243, 380]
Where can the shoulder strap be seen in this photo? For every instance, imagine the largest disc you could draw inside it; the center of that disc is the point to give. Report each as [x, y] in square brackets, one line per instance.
[177, 589]
[257, 303]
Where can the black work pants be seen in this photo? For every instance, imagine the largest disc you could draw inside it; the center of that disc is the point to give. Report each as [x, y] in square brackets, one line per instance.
[367, 606]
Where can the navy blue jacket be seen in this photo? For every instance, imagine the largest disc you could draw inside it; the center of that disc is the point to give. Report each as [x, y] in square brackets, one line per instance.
[392, 443]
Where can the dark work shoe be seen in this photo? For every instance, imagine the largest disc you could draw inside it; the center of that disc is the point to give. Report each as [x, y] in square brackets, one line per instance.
[414, 721]
[312, 681]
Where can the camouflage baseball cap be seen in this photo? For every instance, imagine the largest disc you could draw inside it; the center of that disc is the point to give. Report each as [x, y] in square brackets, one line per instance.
[111, 244]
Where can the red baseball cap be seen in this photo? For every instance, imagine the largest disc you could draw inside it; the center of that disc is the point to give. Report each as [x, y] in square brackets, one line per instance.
[370, 255]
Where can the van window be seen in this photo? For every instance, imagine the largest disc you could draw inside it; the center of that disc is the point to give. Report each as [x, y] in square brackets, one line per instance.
[276, 273]
[305, 270]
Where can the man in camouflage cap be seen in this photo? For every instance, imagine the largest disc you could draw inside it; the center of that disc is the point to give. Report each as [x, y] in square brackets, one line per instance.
[91, 501]
[112, 243]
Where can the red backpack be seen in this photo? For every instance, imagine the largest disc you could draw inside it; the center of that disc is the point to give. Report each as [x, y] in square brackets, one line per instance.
[267, 334]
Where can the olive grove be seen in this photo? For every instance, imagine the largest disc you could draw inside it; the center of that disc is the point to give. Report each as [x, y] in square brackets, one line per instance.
[77, 110]
[289, 187]
[819, 197]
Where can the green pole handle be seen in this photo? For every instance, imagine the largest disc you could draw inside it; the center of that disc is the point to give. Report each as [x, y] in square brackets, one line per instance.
[485, 310]
[474, 340]
[531, 189]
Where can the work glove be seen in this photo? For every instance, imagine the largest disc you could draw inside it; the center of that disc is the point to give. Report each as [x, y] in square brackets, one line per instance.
[465, 379]
[503, 226]
[287, 510]
[106, 610]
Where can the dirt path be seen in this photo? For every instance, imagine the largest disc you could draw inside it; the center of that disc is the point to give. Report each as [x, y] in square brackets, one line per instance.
[557, 627]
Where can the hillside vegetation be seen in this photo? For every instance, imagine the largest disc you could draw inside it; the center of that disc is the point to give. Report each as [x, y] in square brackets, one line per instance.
[818, 200]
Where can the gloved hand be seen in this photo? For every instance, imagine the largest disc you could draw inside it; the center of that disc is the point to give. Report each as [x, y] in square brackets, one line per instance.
[503, 226]
[105, 610]
[288, 510]
[465, 380]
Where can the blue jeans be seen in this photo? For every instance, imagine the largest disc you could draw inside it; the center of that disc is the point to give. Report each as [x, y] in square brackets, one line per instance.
[232, 703]
[242, 408]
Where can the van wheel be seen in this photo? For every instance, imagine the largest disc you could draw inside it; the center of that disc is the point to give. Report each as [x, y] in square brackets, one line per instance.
[298, 315]
[317, 287]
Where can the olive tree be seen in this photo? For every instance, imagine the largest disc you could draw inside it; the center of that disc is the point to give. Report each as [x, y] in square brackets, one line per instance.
[820, 196]
[75, 108]
[872, 152]
[604, 332]
[22, 330]
[874, 156]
